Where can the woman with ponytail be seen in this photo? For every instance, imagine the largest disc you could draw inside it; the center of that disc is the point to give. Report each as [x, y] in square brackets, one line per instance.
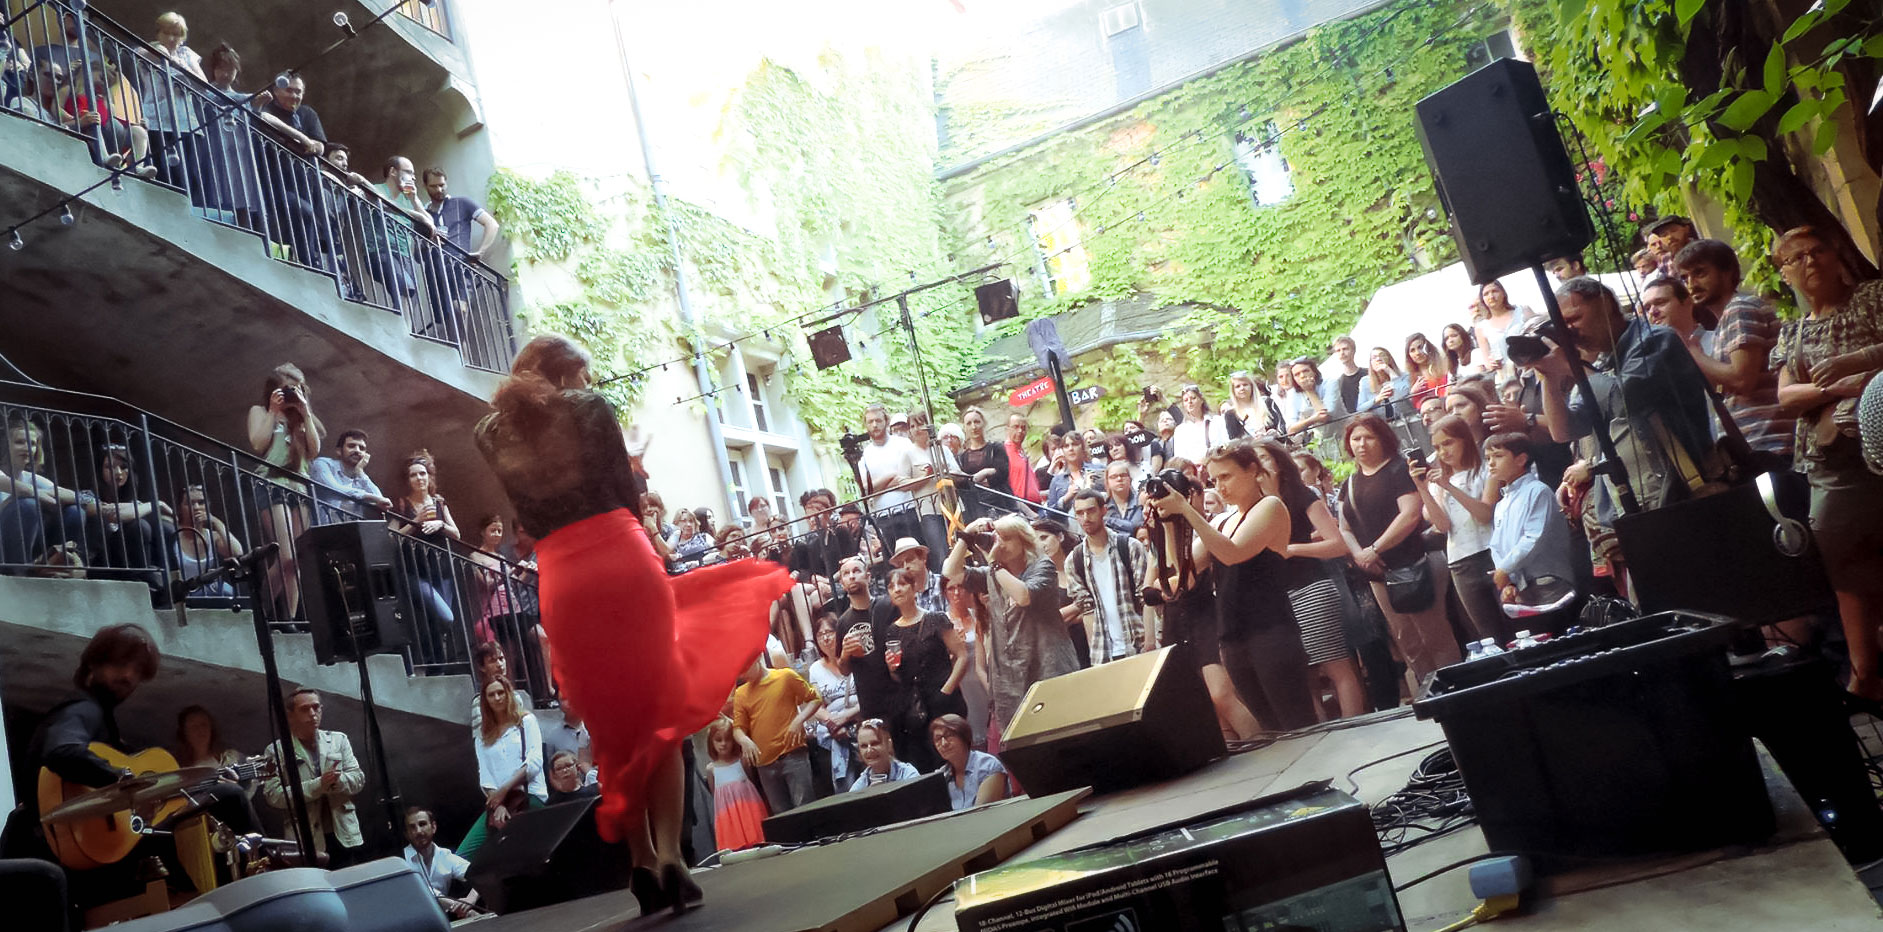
[649, 659]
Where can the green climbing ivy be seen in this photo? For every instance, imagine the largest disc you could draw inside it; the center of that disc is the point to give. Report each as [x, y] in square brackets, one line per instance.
[1270, 282]
[1720, 97]
[848, 179]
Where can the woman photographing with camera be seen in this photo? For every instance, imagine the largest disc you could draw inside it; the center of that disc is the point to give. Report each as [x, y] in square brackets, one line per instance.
[1261, 643]
[1189, 603]
[284, 431]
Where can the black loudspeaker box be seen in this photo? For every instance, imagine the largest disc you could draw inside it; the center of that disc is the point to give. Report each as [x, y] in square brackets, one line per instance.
[1796, 709]
[1114, 726]
[350, 580]
[1717, 555]
[548, 855]
[883, 804]
[1501, 171]
[828, 347]
[998, 300]
[386, 895]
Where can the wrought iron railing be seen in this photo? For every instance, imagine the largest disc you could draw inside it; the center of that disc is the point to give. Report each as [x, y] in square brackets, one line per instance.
[173, 129]
[102, 490]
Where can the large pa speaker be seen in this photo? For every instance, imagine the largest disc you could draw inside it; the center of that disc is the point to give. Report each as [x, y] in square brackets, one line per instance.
[1117, 725]
[349, 583]
[548, 855]
[883, 804]
[828, 347]
[1501, 170]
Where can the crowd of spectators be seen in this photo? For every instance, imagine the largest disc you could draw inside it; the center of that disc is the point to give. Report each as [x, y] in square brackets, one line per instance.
[262, 160]
[1319, 544]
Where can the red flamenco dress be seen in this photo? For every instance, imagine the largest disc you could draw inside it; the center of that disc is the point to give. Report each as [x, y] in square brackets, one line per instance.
[649, 659]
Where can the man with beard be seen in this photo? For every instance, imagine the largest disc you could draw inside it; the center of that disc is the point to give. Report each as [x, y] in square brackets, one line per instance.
[343, 477]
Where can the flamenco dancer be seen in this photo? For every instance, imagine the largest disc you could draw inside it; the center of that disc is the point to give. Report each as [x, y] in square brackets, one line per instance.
[649, 659]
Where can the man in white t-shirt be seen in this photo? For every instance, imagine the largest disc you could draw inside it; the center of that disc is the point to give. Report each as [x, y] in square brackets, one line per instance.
[436, 863]
[889, 463]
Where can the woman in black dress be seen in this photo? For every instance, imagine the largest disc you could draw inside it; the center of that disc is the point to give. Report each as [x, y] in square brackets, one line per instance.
[1189, 606]
[927, 661]
[986, 461]
[1260, 641]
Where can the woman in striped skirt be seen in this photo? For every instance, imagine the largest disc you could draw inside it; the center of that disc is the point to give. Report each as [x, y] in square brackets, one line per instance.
[1314, 537]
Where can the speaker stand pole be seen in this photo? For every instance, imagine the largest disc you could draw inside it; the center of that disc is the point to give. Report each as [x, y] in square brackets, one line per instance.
[388, 793]
[289, 775]
[915, 350]
[1059, 391]
[863, 502]
[1616, 470]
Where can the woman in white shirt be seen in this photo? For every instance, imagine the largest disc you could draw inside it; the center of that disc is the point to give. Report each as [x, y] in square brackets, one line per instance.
[1200, 430]
[1459, 500]
[832, 726]
[509, 746]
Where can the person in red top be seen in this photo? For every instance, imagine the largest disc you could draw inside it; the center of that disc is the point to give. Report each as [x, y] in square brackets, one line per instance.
[110, 135]
[1020, 475]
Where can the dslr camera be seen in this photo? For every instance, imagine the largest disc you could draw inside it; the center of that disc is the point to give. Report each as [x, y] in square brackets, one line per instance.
[852, 444]
[979, 540]
[1525, 349]
[1168, 481]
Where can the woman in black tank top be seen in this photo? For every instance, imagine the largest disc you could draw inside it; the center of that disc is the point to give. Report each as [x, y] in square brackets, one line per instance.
[1261, 643]
[1189, 619]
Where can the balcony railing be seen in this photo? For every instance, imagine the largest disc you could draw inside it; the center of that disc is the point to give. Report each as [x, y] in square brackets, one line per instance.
[430, 14]
[101, 490]
[239, 171]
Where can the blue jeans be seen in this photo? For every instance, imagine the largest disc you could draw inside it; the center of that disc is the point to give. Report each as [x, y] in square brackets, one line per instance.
[787, 780]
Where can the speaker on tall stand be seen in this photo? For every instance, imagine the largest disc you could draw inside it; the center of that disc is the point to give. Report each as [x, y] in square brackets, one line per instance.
[1507, 182]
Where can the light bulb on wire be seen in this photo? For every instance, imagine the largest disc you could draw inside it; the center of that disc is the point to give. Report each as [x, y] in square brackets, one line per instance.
[15, 242]
[65, 215]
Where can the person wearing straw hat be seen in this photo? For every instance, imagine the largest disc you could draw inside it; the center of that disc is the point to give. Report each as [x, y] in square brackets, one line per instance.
[910, 554]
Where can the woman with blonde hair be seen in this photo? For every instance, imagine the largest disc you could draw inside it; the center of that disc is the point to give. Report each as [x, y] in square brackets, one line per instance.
[1025, 639]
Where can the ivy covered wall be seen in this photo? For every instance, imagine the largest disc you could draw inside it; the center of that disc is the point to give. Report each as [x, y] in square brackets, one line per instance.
[842, 162]
[1275, 281]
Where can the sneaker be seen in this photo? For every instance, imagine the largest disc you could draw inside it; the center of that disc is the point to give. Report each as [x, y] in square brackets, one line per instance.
[114, 161]
[147, 171]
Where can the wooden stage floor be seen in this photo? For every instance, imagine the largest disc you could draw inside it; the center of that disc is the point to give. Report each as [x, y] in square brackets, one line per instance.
[1798, 881]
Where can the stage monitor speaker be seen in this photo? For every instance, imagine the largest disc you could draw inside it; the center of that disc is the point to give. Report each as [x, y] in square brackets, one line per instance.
[1717, 555]
[350, 580]
[1501, 171]
[386, 895]
[877, 806]
[998, 300]
[829, 348]
[548, 855]
[1117, 725]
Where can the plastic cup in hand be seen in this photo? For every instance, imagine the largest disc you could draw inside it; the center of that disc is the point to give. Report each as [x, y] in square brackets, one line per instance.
[892, 654]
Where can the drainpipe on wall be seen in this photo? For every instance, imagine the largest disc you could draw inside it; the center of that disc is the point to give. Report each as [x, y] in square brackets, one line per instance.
[702, 370]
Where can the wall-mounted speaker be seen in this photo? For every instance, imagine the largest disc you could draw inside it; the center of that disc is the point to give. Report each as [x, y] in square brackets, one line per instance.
[1502, 172]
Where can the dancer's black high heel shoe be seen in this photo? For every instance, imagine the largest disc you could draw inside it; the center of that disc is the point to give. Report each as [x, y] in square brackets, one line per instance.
[678, 885]
[648, 890]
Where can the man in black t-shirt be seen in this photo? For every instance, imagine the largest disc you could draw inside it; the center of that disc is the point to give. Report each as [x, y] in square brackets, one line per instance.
[863, 624]
[294, 182]
[1350, 373]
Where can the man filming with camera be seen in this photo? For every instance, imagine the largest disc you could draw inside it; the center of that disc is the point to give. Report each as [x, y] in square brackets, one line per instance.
[1653, 394]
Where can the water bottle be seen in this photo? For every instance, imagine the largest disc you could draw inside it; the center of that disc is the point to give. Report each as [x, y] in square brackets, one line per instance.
[1488, 647]
[1525, 640]
[1474, 651]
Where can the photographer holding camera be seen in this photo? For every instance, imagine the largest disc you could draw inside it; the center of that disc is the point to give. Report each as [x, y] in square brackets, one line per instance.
[1661, 425]
[1025, 640]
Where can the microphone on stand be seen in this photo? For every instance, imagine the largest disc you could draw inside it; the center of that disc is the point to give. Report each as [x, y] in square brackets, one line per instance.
[231, 568]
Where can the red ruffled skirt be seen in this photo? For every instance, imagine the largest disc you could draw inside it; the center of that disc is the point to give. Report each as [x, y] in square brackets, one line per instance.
[648, 659]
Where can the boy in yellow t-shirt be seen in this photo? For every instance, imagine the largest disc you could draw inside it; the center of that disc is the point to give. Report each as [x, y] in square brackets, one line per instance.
[769, 710]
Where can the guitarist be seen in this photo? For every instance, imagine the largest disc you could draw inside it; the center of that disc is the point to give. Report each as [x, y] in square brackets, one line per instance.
[118, 660]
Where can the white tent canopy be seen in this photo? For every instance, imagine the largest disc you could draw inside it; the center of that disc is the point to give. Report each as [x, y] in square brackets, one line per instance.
[1427, 303]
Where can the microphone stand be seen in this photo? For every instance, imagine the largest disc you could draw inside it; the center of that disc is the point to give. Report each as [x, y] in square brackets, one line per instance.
[248, 567]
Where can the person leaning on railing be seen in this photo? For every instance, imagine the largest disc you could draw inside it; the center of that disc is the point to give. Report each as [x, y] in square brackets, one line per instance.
[422, 513]
[284, 431]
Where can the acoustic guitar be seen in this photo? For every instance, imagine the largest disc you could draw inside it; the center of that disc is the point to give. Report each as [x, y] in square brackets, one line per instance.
[100, 840]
